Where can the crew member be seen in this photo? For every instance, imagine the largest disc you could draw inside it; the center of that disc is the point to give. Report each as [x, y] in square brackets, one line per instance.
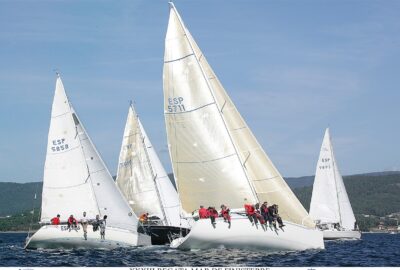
[225, 214]
[84, 222]
[55, 220]
[144, 218]
[72, 223]
[213, 214]
[203, 212]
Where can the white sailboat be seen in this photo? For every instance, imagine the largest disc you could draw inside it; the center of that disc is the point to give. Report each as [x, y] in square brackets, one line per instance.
[145, 184]
[76, 180]
[217, 160]
[330, 206]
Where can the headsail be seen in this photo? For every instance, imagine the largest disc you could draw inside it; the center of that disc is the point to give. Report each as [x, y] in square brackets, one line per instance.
[75, 177]
[329, 201]
[141, 176]
[188, 75]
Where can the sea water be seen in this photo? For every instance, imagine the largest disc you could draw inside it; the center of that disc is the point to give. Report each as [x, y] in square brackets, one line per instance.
[373, 250]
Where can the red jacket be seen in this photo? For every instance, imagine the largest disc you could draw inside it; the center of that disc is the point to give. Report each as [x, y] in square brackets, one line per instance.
[55, 221]
[212, 213]
[203, 213]
[225, 213]
[249, 209]
[71, 220]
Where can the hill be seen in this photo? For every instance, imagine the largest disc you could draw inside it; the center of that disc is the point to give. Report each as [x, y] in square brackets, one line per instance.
[18, 198]
[372, 196]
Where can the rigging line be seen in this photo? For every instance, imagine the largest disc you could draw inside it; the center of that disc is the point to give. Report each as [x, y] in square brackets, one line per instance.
[205, 161]
[178, 59]
[188, 111]
[65, 187]
[59, 115]
[245, 161]
[223, 106]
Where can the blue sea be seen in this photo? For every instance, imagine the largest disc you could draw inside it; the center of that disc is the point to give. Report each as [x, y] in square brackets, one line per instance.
[373, 250]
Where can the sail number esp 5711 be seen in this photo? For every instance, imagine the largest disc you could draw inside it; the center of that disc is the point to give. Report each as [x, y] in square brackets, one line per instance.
[175, 105]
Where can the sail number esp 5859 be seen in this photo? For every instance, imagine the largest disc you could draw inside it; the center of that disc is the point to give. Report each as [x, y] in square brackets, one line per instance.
[175, 104]
[59, 145]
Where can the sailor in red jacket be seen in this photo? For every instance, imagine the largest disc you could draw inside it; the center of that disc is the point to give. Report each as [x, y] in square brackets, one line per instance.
[251, 213]
[225, 214]
[213, 214]
[72, 223]
[55, 220]
[203, 213]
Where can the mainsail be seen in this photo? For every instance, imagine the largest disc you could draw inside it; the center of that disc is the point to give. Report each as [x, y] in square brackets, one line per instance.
[216, 158]
[329, 201]
[75, 177]
[142, 178]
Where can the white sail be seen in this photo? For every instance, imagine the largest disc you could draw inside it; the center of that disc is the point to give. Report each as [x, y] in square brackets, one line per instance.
[329, 201]
[256, 170]
[142, 178]
[75, 177]
[206, 166]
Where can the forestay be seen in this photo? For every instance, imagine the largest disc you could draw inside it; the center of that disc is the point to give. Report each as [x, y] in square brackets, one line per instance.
[142, 178]
[256, 170]
[329, 201]
[75, 177]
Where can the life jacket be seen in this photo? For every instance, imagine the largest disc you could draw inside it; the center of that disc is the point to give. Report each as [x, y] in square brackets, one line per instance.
[71, 220]
[143, 218]
[249, 209]
[203, 213]
[55, 221]
[264, 209]
[225, 214]
[212, 213]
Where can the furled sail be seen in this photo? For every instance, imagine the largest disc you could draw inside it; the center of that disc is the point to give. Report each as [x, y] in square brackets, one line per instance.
[329, 201]
[75, 177]
[142, 178]
[256, 170]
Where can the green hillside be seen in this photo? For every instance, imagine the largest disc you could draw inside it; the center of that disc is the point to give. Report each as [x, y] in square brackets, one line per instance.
[18, 198]
[376, 195]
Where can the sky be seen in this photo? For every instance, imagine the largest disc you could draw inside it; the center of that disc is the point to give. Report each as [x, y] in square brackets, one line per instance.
[292, 68]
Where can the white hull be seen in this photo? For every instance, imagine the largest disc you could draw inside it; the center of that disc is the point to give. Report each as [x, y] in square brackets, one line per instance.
[334, 234]
[59, 237]
[244, 235]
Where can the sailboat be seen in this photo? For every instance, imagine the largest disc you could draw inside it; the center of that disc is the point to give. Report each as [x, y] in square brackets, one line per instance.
[217, 160]
[146, 186]
[330, 205]
[76, 180]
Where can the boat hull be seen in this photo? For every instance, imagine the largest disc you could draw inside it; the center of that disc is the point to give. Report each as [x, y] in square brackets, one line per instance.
[334, 234]
[60, 237]
[162, 235]
[243, 235]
